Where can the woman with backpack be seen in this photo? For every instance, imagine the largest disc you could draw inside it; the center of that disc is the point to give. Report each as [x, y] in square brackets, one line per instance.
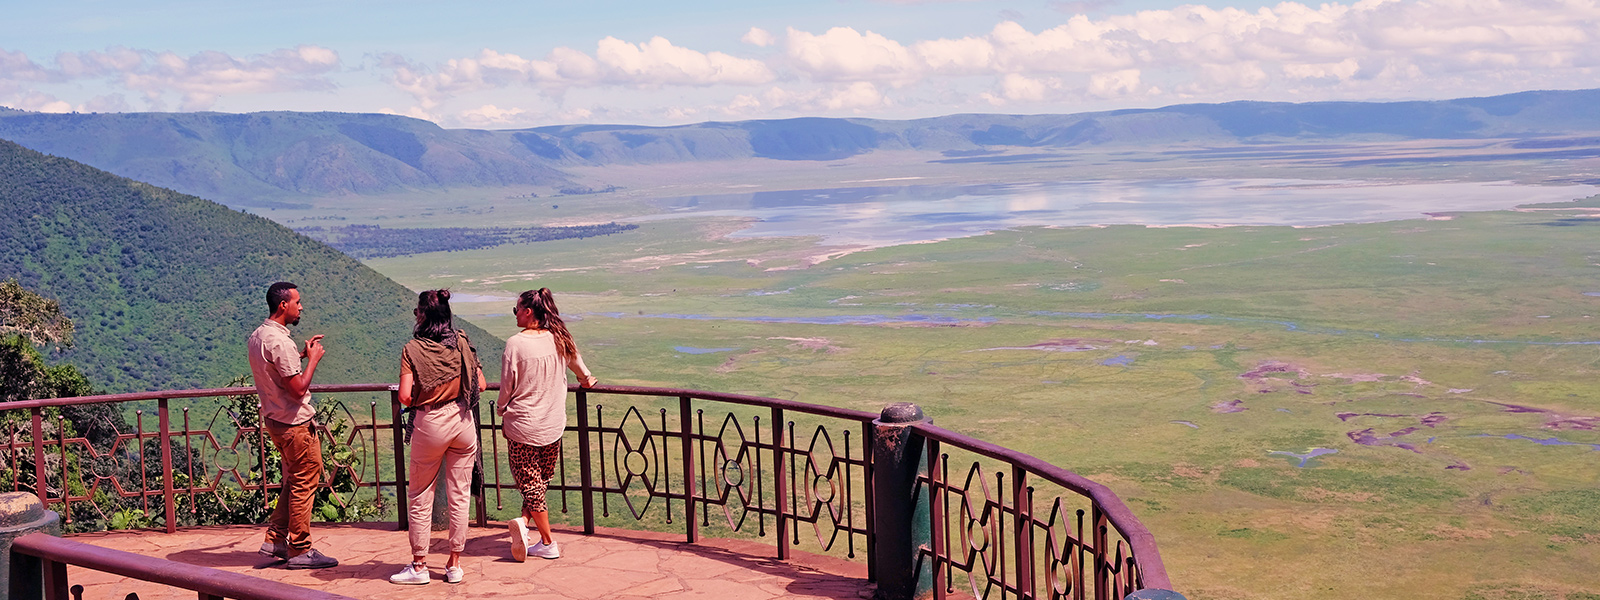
[533, 404]
[440, 379]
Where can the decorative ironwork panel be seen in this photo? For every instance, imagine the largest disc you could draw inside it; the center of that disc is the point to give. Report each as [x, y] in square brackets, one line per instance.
[213, 459]
[1003, 532]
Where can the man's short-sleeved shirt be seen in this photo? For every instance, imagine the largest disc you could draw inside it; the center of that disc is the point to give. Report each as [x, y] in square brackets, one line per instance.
[274, 359]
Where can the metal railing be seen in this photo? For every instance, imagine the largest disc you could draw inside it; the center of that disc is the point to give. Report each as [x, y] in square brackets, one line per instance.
[54, 554]
[727, 464]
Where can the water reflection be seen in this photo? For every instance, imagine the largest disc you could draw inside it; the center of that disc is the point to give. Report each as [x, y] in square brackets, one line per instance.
[889, 215]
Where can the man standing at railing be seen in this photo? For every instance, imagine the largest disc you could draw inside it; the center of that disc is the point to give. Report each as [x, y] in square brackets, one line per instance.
[286, 413]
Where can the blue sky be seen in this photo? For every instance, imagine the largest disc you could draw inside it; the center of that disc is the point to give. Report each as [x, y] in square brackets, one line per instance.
[518, 64]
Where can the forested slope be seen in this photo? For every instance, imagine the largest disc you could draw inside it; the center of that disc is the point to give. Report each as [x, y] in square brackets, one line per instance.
[164, 287]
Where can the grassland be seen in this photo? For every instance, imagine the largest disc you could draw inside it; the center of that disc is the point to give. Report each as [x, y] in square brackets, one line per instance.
[1400, 345]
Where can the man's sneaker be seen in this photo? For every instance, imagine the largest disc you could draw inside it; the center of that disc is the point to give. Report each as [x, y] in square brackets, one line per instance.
[453, 574]
[278, 549]
[312, 559]
[519, 538]
[543, 550]
[414, 574]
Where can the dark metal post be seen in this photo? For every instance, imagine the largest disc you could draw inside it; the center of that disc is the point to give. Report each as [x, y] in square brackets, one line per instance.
[780, 483]
[1022, 531]
[165, 436]
[866, 482]
[691, 524]
[480, 502]
[901, 523]
[55, 579]
[21, 513]
[1102, 574]
[261, 458]
[938, 509]
[403, 522]
[584, 467]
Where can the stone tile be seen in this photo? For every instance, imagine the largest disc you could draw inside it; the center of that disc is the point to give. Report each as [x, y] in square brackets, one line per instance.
[585, 581]
[718, 589]
[643, 560]
[611, 564]
[651, 589]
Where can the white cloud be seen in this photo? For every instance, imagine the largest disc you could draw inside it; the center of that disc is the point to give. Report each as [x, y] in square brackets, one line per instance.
[1290, 50]
[1382, 46]
[1342, 70]
[658, 62]
[1114, 84]
[615, 62]
[856, 96]
[17, 67]
[40, 102]
[852, 98]
[490, 115]
[844, 54]
[199, 80]
[966, 55]
[1020, 88]
[759, 37]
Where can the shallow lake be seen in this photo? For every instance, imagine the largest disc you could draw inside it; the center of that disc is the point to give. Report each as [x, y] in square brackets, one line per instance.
[889, 215]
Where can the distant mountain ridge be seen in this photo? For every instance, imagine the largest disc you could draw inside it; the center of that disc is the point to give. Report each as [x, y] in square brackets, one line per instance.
[262, 159]
[165, 287]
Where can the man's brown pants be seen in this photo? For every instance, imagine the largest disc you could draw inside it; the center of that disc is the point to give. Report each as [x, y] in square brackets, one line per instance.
[302, 472]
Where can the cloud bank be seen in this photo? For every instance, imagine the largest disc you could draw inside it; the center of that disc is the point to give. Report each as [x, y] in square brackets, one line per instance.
[1290, 51]
[197, 81]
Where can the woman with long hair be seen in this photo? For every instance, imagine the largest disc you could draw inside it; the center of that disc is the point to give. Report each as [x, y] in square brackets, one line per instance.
[439, 381]
[533, 404]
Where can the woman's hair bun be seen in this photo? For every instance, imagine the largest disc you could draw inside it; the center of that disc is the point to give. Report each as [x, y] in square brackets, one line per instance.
[444, 295]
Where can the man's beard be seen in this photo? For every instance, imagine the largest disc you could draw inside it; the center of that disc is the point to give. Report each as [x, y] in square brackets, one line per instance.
[296, 321]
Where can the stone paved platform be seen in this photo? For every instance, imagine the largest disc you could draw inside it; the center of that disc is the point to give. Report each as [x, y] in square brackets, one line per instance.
[610, 564]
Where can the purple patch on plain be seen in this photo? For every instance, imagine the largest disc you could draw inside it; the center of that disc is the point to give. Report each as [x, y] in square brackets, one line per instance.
[1346, 416]
[1229, 406]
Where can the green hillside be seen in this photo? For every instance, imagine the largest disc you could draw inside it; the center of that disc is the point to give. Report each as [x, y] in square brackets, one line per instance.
[164, 287]
[272, 158]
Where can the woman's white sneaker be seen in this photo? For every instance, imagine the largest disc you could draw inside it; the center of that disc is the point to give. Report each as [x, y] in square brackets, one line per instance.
[519, 538]
[542, 550]
[413, 574]
[453, 574]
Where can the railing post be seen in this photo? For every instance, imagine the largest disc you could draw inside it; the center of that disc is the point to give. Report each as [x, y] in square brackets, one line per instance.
[22, 513]
[39, 481]
[901, 523]
[1102, 574]
[480, 496]
[780, 486]
[585, 479]
[166, 466]
[398, 428]
[938, 510]
[1022, 531]
[692, 525]
[866, 482]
